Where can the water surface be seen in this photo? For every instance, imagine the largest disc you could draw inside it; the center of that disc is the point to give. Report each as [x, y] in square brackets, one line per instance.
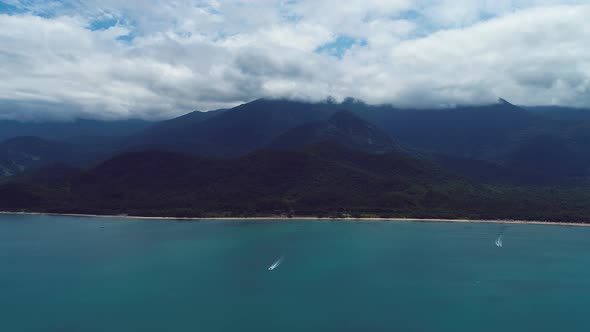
[110, 274]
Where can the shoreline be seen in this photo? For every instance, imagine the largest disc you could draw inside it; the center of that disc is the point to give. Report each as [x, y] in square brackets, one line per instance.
[475, 221]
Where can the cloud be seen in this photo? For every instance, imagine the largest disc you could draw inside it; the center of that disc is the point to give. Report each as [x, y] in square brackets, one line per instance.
[156, 59]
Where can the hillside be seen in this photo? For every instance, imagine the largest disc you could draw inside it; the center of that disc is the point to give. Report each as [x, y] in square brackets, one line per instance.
[498, 143]
[501, 136]
[324, 176]
[164, 131]
[320, 179]
[324, 179]
[71, 130]
[23, 154]
[237, 131]
[342, 127]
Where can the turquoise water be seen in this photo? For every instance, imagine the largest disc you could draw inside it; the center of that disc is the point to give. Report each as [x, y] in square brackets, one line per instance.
[93, 274]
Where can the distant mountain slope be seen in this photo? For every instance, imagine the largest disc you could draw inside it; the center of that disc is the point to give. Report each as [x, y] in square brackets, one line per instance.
[477, 132]
[473, 132]
[496, 143]
[237, 131]
[549, 158]
[71, 130]
[22, 155]
[482, 142]
[561, 113]
[343, 127]
[159, 131]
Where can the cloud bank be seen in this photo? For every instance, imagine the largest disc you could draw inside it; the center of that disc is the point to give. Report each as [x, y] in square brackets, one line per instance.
[157, 59]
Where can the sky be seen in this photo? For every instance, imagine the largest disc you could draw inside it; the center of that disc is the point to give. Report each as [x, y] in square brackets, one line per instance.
[151, 59]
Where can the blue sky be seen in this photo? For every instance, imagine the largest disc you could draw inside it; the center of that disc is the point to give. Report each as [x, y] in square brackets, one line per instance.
[340, 45]
[6, 8]
[156, 59]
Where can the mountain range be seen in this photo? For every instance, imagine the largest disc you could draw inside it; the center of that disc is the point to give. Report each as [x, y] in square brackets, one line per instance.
[292, 157]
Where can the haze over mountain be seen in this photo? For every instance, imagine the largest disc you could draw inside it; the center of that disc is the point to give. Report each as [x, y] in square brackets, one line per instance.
[76, 130]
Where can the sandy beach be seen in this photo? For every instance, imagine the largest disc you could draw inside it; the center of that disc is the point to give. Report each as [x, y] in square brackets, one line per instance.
[519, 222]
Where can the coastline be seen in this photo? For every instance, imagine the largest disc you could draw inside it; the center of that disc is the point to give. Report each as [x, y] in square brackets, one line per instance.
[476, 221]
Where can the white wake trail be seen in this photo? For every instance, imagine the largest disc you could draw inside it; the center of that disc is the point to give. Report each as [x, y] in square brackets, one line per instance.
[276, 264]
[499, 242]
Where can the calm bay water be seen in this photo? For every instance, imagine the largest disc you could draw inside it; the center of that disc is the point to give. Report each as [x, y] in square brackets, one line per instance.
[94, 274]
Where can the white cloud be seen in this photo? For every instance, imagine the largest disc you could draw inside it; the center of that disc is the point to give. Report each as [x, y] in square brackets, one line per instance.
[206, 54]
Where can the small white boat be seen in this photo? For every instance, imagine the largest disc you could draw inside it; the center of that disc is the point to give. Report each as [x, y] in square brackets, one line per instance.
[275, 264]
[498, 242]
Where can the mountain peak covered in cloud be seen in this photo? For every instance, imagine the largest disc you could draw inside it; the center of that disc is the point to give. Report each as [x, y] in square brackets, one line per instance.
[156, 59]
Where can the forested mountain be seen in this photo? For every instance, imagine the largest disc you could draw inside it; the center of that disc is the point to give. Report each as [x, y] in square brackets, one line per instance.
[287, 157]
[318, 178]
[72, 130]
[237, 131]
[22, 154]
[472, 132]
[561, 113]
[161, 132]
[499, 143]
[343, 127]
[324, 179]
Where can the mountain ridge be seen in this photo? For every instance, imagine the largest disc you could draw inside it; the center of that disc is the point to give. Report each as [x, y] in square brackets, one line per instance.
[343, 127]
[487, 142]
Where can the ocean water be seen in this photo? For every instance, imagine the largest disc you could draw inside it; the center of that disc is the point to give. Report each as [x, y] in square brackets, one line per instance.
[100, 274]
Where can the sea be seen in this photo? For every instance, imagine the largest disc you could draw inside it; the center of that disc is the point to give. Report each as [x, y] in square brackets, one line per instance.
[89, 274]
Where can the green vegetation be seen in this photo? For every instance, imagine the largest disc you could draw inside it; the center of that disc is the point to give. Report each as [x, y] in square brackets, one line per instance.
[291, 158]
[324, 180]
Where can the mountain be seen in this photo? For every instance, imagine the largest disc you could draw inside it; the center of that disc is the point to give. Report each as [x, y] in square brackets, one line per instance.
[73, 131]
[485, 132]
[21, 154]
[168, 128]
[236, 131]
[343, 127]
[482, 171]
[549, 158]
[321, 178]
[561, 113]
[498, 143]
[471, 132]
[324, 179]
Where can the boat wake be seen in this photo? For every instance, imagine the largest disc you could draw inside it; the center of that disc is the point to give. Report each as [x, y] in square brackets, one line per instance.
[498, 241]
[276, 264]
